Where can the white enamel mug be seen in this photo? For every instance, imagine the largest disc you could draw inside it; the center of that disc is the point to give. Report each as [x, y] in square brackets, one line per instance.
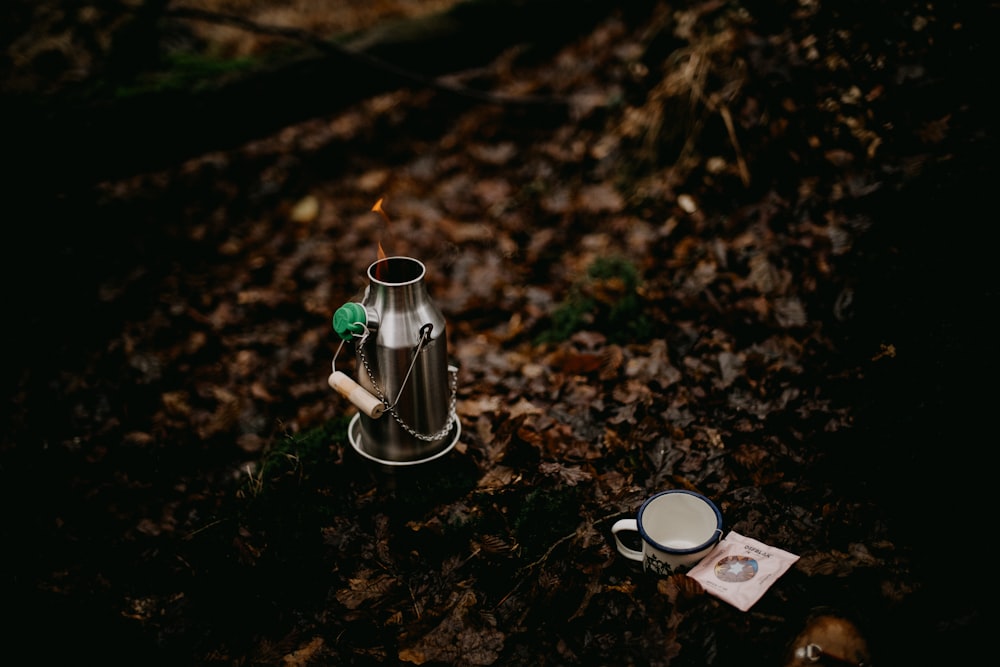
[678, 528]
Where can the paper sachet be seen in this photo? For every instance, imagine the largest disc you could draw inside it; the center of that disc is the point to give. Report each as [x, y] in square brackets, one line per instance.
[740, 569]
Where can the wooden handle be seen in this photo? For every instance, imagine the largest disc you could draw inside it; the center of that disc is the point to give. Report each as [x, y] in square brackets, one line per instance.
[356, 394]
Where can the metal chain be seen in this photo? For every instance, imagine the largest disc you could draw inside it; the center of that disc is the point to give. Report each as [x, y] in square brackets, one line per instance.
[448, 424]
[425, 336]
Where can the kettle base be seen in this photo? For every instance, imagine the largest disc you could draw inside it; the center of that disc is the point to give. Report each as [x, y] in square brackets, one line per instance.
[354, 435]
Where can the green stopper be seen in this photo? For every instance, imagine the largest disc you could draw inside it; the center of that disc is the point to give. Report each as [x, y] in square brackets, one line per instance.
[350, 319]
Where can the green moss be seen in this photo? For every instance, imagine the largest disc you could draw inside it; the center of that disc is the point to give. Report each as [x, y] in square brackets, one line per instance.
[297, 465]
[606, 300]
[188, 72]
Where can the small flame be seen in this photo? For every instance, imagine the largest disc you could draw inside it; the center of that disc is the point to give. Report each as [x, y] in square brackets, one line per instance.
[378, 209]
[381, 251]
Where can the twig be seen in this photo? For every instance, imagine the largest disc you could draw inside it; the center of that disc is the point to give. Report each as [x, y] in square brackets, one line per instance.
[203, 528]
[731, 129]
[541, 559]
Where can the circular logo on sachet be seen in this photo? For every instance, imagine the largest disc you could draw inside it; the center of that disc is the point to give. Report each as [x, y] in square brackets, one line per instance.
[736, 568]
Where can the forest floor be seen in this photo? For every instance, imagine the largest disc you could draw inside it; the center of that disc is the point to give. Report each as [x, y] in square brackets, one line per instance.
[739, 249]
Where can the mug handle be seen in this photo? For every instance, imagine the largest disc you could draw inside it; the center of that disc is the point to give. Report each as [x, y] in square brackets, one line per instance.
[629, 525]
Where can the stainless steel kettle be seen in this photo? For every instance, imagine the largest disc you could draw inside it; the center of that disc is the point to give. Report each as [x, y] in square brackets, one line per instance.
[401, 350]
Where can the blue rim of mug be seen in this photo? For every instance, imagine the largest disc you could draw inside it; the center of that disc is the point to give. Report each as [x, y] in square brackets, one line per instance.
[673, 550]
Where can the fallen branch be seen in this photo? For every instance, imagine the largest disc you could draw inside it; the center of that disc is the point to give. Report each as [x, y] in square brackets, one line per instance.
[443, 84]
[63, 143]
